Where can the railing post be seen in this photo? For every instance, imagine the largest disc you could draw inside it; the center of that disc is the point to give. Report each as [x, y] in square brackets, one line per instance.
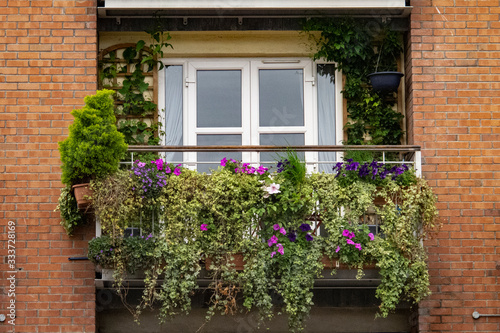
[418, 163]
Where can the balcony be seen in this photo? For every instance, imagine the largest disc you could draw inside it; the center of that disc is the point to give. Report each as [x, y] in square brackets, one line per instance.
[280, 218]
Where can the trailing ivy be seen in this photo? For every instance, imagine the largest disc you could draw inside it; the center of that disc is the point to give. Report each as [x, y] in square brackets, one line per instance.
[350, 43]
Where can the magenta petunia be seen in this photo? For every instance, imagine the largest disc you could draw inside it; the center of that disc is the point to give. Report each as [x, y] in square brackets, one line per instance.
[358, 246]
[350, 242]
[283, 231]
[345, 233]
[276, 227]
[338, 249]
[223, 162]
[372, 237]
[273, 253]
[203, 227]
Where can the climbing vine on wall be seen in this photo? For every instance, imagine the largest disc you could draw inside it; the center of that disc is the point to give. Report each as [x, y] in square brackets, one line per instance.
[356, 48]
[130, 70]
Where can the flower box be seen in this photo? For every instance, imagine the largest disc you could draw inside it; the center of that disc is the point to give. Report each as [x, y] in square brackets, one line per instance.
[335, 264]
[238, 261]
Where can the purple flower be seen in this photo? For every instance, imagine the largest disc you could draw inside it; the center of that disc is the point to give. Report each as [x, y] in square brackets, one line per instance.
[283, 231]
[223, 162]
[276, 227]
[371, 236]
[203, 227]
[338, 249]
[309, 237]
[292, 236]
[305, 227]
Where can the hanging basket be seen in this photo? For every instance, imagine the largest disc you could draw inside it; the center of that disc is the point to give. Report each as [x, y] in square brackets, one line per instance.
[82, 195]
[385, 81]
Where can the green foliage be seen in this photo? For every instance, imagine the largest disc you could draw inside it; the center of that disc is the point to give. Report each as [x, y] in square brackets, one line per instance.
[114, 203]
[94, 146]
[220, 216]
[102, 251]
[71, 216]
[350, 44]
[134, 97]
[138, 132]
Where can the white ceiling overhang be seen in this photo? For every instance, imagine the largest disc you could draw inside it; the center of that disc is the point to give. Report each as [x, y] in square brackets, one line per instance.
[256, 8]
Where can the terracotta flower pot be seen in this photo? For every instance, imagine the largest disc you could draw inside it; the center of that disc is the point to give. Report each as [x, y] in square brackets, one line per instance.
[82, 195]
[238, 261]
[335, 264]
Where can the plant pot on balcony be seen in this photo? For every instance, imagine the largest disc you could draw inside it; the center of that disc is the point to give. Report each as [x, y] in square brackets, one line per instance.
[238, 261]
[385, 81]
[83, 195]
[335, 264]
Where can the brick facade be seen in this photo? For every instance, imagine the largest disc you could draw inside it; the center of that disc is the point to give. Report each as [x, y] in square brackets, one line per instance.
[48, 52]
[455, 87]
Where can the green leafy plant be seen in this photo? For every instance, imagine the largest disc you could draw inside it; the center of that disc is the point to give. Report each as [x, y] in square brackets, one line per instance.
[266, 218]
[94, 146]
[350, 44]
[71, 216]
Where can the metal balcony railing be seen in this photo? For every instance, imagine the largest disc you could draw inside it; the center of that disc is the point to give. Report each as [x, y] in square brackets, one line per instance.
[315, 156]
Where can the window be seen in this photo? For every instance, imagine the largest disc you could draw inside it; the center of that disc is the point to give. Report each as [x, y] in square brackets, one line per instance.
[249, 102]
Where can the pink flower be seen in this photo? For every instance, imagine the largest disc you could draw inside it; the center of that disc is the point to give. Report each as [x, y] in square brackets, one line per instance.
[223, 162]
[141, 164]
[345, 233]
[371, 236]
[273, 253]
[358, 246]
[203, 227]
[283, 231]
[351, 235]
[281, 250]
[159, 164]
[338, 249]
[272, 240]
[261, 170]
[177, 170]
[350, 242]
[276, 227]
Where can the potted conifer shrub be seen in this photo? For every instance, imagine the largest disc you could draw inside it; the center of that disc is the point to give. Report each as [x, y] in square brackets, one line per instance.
[94, 146]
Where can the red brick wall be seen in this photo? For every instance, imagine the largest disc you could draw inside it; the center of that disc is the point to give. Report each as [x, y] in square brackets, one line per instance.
[48, 55]
[455, 60]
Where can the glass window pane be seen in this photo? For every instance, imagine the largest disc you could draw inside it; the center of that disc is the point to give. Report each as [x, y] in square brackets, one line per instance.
[326, 114]
[287, 139]
[218, 98]
[281, 94]
[216, 140]
[173, 111]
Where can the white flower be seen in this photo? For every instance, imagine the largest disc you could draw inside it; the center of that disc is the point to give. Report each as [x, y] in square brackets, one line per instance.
[273, 188]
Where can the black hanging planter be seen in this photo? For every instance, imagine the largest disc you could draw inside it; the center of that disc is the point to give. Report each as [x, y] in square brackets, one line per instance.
[385, 81]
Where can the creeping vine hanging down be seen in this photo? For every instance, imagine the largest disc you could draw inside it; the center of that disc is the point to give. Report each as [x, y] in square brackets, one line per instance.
[351, 45]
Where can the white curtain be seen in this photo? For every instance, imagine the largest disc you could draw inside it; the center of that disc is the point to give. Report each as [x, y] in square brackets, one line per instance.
[173, 111]
[326, 117]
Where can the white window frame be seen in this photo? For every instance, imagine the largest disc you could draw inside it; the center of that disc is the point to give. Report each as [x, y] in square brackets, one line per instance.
[250, 129]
